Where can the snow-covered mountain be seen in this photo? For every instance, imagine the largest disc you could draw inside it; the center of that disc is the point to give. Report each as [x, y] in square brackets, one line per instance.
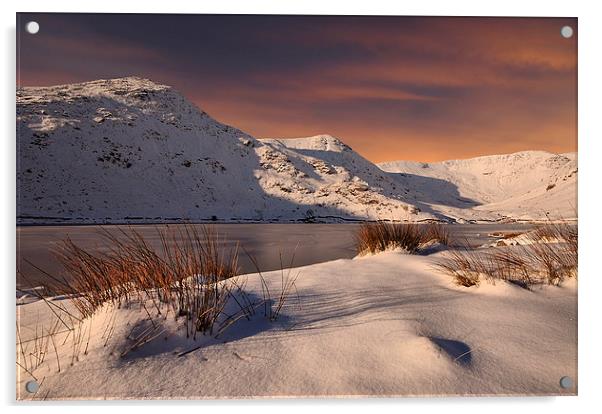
[132, 150]
[324, 171]
[524, 185]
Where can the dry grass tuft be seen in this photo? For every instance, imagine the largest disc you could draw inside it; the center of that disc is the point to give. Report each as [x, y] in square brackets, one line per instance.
[187, 273]
[381, 236]
[465, 267]
[550, 258]
[437, 232]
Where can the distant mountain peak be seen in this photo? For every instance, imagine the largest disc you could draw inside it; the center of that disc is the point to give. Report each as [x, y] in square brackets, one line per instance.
[525, 185]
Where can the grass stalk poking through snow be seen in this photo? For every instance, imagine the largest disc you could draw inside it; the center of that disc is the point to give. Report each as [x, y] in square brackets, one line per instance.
[272, 308]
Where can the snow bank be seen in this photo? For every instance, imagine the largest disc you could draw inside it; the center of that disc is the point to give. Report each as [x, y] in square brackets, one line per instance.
[385, 325]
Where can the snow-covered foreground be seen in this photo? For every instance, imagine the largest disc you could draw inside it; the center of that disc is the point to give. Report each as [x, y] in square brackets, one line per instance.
[381, 325]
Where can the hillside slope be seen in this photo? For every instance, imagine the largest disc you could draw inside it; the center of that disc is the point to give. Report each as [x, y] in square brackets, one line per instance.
[528, 185]
[327, 172]
[130, 150]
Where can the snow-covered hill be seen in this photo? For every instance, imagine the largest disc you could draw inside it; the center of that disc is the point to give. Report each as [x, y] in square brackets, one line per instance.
[525, 185]
[132, 150]
[324, 171]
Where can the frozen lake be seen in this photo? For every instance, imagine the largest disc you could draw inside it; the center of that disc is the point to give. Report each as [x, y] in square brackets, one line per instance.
[311, 243]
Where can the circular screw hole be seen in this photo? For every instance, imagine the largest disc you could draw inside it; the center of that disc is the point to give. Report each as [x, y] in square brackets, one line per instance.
[566, 382]
[32, 386]
[566, 32]
[32, 27]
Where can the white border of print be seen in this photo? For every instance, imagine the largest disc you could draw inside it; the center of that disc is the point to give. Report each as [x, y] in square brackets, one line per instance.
[590, 68]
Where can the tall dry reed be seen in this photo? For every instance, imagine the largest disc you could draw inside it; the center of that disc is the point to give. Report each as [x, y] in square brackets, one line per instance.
[381, 236]
[188, 272]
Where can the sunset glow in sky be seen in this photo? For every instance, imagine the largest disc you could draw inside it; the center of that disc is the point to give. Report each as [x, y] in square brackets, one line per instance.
[393, 88]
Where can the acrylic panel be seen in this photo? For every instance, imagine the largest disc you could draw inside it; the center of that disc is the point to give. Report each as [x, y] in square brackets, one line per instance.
[253, 206]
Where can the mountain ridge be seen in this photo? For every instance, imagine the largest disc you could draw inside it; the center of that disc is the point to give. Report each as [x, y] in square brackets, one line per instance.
[523, 185]
[132, 150]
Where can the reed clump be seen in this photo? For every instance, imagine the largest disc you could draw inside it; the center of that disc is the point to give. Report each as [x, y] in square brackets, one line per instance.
[382, 236]
[189, 273]
[549, 256]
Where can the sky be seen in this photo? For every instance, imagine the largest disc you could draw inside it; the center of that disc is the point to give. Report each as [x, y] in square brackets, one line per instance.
[393, 88]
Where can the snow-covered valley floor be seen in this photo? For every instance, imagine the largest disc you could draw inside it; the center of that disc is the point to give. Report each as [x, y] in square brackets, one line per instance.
[383, 325]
